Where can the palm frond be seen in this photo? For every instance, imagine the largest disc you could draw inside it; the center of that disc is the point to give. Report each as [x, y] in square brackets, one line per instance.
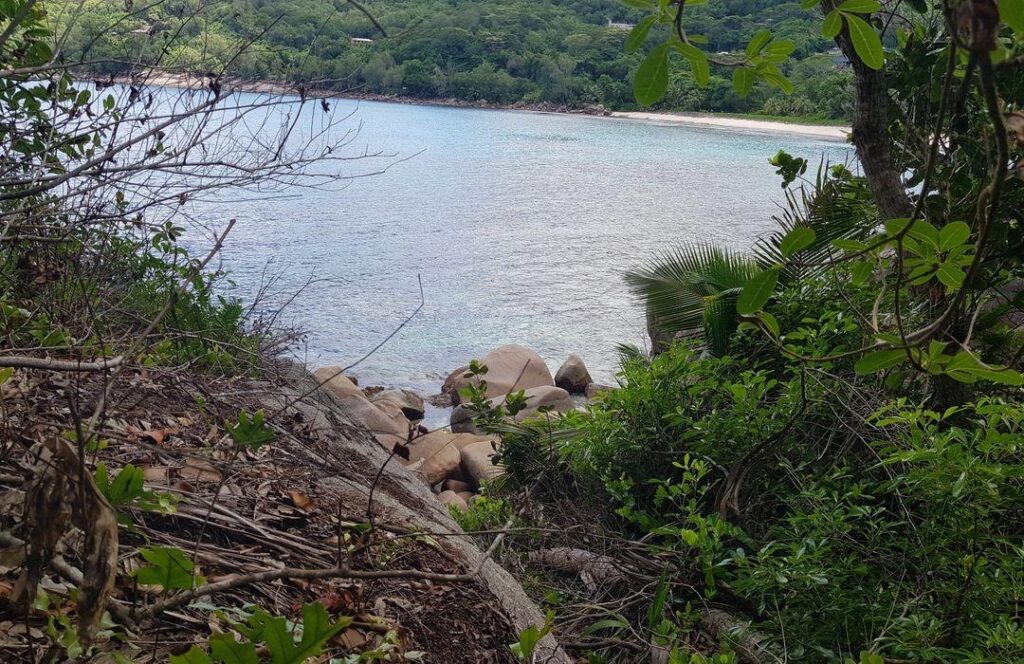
[832, 207]
[681, 287]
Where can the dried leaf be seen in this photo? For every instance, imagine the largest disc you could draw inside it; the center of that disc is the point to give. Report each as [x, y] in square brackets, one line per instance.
[301, 500]
[198, 470]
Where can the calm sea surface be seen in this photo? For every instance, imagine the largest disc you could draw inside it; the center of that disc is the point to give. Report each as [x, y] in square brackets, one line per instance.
[520, 226]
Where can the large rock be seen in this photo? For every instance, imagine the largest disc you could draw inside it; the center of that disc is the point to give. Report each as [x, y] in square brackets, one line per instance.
[509, 368]
[597, 388]
[410, 402]
[557, 399]
[388, 424]
[477, 462]
[452, 499]
[573, 376]
[440, 454]
[387, 428]
[337, 383]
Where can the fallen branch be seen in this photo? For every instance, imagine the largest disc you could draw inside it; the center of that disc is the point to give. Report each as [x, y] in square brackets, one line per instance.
[750, 645]
[49, 364]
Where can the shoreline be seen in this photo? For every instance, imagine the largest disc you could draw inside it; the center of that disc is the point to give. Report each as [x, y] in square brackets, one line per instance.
[665, 118]
[711, 120]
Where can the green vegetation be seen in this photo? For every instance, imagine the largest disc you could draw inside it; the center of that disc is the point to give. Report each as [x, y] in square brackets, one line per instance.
[505, 52]
[830, 446]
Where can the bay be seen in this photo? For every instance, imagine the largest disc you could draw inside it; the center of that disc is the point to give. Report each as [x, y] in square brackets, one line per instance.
[518, 225]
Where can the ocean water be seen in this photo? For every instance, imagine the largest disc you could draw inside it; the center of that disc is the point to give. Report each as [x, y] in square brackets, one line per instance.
[518, 225]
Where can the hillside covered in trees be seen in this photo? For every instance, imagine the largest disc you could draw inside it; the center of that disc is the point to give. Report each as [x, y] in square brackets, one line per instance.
[567, 52]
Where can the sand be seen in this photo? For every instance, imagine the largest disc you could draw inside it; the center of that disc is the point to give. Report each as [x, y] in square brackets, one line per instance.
[743, 124]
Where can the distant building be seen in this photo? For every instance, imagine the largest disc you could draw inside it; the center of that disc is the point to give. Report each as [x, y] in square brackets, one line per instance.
[620, 26]
[360, 40]
[839, 59]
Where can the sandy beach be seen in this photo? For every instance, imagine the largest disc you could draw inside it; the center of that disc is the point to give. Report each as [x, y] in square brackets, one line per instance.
[700, 120]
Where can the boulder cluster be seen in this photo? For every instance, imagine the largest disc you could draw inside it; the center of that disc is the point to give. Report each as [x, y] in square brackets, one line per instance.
[456, 460]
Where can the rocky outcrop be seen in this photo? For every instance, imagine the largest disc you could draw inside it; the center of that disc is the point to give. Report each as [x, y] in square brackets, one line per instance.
[452, 499]
[478, 464]
[555, 398]
[386, 422]
[410, 402]
[348, 462]
[509, 368]
[573, 376]
[439, 454]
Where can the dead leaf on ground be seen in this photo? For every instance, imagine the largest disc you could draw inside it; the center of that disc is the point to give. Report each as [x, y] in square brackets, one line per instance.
[198, 470]
[302, 501]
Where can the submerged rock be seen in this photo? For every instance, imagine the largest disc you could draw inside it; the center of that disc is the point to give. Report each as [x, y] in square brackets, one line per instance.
[573, 376]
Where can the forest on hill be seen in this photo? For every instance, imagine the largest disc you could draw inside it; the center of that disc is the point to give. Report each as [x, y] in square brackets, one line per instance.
[565, 52]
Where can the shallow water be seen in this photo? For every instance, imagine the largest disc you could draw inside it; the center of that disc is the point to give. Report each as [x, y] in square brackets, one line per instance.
[520, 226]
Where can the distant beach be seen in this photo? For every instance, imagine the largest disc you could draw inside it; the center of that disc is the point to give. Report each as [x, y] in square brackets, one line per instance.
[725, 122]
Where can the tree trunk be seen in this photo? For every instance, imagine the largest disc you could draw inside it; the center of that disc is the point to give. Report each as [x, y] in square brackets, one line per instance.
[870, 135]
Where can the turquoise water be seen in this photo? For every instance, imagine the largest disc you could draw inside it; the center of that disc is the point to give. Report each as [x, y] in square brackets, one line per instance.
[520, 226]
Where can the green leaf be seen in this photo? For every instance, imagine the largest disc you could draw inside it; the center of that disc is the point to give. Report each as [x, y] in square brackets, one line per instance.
[168, 567]
[228, 651]
[777, 80]
[796, 240]
[951, 276]
[866, 41]
[757, 291]
[832, 25]
[193, 656]
[651, 81]
[778, 50]
[770, 322]
[953, 234]
[757, 42]
[860, 6]
[879, 360]
[860, 272]
[1012, 13]
[638, 35]
[638, 4]
[743, 80]
[317, 629]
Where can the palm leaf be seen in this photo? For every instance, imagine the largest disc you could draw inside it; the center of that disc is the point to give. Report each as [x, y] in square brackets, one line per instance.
[833, 208]
[693, 289]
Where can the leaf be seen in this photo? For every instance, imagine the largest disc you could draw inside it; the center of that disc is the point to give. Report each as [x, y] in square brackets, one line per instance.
[651, 81]
[1012, 13]
[860, 6]
[778, 50]
[638, 4]
[775, 79]
[757, 291]
[832, 25]
[168, 567]
[953, 234]
[743, 80]
[796, 240]
[951, 276]
[757, 42]
[770, 322]
[317, 629]
[228, 651]
[638, 35]
[193, 656]
[866, 41]
[879, 360]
